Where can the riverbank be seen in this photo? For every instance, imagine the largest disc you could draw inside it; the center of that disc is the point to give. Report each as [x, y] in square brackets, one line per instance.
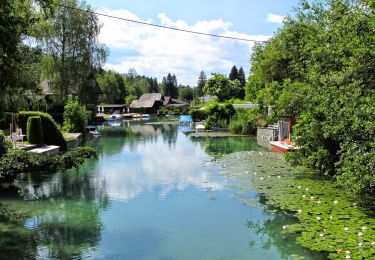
[330, 219]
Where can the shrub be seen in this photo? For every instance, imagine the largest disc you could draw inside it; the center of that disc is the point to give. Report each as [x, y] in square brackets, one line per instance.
[245, 122]
[4, 145]
[19, 161]
[34, 130]
[219, 115]
[51, 132]
[75, 117]
[75, 157]
[198, 115]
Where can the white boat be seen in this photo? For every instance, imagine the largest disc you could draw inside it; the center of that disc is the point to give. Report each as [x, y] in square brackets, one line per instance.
[92, 130]
[199, 127]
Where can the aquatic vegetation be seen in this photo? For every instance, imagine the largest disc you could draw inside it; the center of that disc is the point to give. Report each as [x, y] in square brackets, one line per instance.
[329, 218]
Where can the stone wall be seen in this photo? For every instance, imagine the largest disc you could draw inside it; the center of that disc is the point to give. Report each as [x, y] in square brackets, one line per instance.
[265, 135]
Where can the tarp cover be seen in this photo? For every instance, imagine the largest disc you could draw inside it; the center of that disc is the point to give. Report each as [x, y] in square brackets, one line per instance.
[185, 119]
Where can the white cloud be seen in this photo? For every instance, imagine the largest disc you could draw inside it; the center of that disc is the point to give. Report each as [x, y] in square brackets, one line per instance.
[275, 18]
[156, 52]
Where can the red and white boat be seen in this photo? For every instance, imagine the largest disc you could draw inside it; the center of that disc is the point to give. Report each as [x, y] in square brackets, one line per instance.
[282, 146]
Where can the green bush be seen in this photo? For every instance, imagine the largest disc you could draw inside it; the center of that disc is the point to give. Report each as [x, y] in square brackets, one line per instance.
[75, 157]
[20, 161]
[51, 132]
[34, 130]
[198, 115]
[4, 145]
[75, 117]
[219, 115]
[245, 122]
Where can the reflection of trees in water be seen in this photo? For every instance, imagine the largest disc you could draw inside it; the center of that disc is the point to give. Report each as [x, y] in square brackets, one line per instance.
[270, 233]
[63, 216]
[226, 145]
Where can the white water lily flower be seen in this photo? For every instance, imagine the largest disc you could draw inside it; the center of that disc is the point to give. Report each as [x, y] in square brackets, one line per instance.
[285, 227]
[318, 218]
[347, 257]
[299, 211]
[348, 252]
[278, 176]
[324, 230]
[321, 235]
[261, 178]
[330, 217]
[299, 187]
[360, 244]
[354, 204]
[319, 202]
[346, 229]
[372, 243]
[303, 196]
[307, 189]
[364, 228]
[335, 202]
[312, 197]
[360, 234]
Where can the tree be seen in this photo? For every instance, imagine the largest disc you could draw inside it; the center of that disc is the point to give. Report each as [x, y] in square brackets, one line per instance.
[169, 86]
[233, 75]
[109, 85]
[220, 86]
[200, 85]
[75, 117]
[70, 41]
[185, 93]
[319, 67]
[241, 77]
[17, 22]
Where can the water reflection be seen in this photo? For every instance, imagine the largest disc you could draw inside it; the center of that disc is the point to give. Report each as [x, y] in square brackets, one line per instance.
[147, 197]
[59, 214]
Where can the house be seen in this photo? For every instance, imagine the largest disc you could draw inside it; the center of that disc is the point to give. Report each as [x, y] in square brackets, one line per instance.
[148, 103]
[208, 98]
[111, 109]
[170, 102]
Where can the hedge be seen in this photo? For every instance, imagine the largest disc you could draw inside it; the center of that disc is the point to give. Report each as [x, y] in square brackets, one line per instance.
[34, 130]
[51, 132]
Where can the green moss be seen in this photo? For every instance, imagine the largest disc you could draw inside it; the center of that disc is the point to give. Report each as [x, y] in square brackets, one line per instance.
[322, 208]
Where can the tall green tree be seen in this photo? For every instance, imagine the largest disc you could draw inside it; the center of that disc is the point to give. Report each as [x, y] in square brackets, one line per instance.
[200, 84]
[17, 22]
[233, 75]
[169, 86]
[242, 77]
[70, 41]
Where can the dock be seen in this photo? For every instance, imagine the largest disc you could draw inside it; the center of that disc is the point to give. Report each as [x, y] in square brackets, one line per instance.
[46, 150]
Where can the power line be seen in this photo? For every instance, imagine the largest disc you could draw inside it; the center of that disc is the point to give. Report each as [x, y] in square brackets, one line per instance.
[161, 26]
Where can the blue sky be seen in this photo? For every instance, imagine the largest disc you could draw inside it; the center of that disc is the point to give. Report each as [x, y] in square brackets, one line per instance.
[156, 52]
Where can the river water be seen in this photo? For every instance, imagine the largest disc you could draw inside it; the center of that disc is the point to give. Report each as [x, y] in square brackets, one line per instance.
[155, 194]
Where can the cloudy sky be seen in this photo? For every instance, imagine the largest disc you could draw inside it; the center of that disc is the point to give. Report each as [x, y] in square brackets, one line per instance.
[156, 52]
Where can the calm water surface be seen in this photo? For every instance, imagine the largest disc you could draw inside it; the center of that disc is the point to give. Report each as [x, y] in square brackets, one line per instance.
[154, 195]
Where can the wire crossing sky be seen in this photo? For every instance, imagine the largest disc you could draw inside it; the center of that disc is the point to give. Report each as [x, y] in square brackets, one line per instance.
[162, 26]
